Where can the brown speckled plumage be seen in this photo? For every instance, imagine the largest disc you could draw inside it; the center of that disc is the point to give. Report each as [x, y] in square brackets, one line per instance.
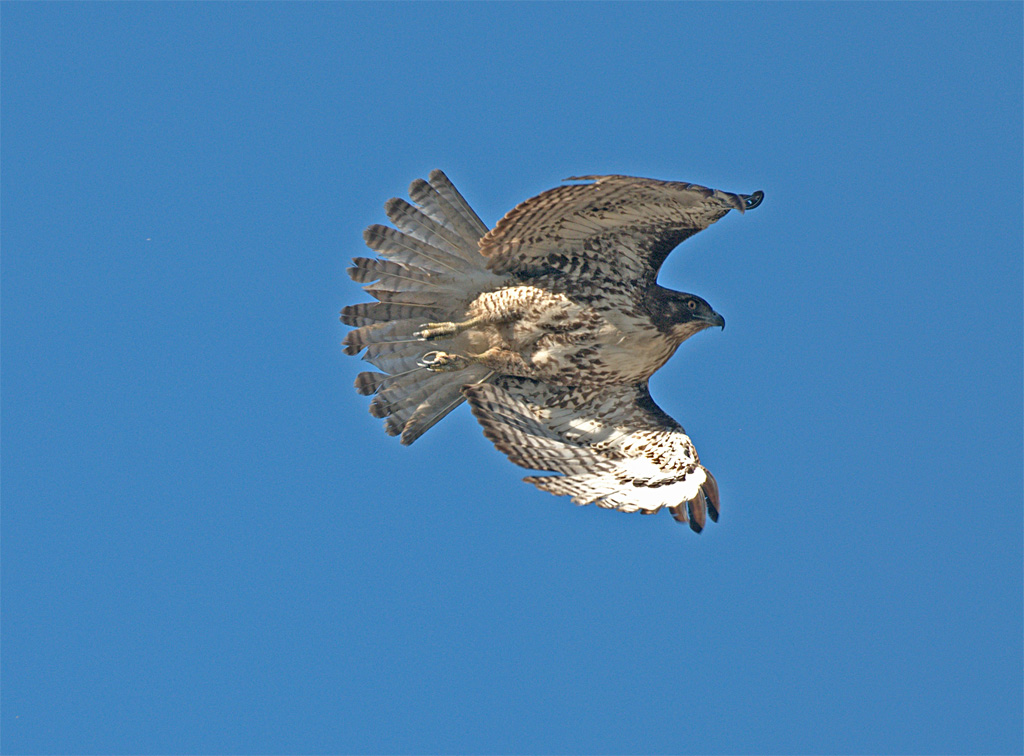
[550, 324]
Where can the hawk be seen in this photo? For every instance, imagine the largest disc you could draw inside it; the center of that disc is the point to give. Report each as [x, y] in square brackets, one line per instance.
[550, 325]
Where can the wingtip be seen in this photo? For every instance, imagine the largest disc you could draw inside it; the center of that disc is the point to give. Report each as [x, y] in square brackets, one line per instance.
[710, 489]
[750, 201]
[698, 509]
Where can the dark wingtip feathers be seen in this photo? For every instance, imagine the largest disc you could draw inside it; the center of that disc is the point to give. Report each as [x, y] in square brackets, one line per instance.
[750, 201]
[697, 507]
[710, 489]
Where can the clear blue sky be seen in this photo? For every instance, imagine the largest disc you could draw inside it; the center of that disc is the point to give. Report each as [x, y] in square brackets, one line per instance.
[209, 546]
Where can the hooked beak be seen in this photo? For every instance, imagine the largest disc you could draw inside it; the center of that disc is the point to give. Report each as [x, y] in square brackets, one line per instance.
[715, 320]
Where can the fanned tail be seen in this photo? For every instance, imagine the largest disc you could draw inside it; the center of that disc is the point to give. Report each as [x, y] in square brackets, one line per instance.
[428, 271]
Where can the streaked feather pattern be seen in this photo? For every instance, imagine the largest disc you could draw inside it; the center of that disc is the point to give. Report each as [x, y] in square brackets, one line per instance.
[564, 283]
[612, 448]
[616, 227]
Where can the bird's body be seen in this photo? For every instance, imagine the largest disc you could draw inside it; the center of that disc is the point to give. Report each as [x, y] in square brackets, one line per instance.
[545, 330]
[550, 324]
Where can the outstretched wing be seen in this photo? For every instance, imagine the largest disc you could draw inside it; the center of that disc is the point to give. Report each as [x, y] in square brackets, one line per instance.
[617, 227]
[613, 446]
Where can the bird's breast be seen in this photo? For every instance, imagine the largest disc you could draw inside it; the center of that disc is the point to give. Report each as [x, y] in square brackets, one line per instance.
[597, 348]
[567, 339]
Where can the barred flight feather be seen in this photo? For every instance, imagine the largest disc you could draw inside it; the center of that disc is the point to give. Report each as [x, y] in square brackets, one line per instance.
[616, 220]
[370, 313]
[447, 190]
[403, 248]
[368, 382]
[418, 224]
[368, 270]
[442, 211]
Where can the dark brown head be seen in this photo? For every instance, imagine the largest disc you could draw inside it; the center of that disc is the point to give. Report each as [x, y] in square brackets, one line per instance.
[681, 315]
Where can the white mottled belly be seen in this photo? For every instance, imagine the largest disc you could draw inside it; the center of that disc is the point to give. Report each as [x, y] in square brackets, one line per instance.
[565, 342]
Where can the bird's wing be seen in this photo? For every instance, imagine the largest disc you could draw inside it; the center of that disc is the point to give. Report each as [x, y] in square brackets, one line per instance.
[620, 227]
[613, 446]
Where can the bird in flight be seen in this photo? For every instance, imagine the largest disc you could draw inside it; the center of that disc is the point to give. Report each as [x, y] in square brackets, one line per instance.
[550, 325]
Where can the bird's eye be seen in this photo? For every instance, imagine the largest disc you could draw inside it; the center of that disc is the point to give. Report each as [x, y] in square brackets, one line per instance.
[692, 305]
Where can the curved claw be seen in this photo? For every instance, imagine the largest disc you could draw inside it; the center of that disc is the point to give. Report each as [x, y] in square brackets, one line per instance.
[443, 362]
[752, 200]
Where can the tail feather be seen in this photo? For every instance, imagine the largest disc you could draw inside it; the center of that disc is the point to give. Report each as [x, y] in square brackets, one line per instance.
[439, 209]
[419, 225]
[409, 297]
[367, 383]
[447, 189]
[429, 269]
[418, 400]
[383, 275]
[403, 397]
[368, 313]
[395, 275]
[441, 402]
[395, 356]
[370, 382]
[396, 332]
[399, 247]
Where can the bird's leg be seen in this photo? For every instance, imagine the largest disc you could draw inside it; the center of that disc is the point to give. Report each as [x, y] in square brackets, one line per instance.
[501, 360]
[492, 309]
[504, 361]
[433, 331]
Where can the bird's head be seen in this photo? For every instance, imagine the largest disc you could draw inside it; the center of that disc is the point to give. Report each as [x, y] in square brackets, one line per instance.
[688, 314]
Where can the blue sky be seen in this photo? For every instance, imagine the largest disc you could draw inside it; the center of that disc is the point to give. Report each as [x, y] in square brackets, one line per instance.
[209, 546]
